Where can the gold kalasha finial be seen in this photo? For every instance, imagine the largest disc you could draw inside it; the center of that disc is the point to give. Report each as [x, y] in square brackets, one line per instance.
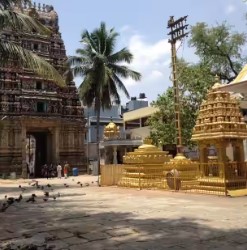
[217, 83]
[148, 141]
[216, 78]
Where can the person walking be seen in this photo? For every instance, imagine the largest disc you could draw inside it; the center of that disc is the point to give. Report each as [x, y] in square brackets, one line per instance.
[66, 170]
[59, 171]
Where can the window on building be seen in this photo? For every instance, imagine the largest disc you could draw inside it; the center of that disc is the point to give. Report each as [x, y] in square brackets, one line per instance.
[38, 85]
[41, 107]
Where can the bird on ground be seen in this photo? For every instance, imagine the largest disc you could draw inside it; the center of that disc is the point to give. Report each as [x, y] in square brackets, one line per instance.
[67, 186]
[6, 196]
[58, 195]
[4, 207]
[92, 182]
[48, 185]
[19, 198]
[34, 184]
[78, 182]
[81, 185]
[31, 199]
[45, 199]
[86, 184]
[46, 194]
[10, 200]
[19, 186]
[34, 195]
[64, 184]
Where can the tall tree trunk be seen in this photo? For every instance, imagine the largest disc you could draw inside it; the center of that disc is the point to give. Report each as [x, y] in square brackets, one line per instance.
[97, 109]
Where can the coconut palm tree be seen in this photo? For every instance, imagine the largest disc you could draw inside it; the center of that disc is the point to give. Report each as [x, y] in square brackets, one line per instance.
[101, 69]
[10, 51]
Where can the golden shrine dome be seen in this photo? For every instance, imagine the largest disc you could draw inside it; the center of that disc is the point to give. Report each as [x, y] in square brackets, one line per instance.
[111, 131]
[146, 154]
[219, 116]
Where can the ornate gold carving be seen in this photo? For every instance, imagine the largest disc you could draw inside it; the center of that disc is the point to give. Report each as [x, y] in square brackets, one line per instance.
[111, 131]
[219, 116]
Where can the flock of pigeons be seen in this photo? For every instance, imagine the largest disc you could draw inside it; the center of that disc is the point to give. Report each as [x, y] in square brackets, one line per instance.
[48, 189]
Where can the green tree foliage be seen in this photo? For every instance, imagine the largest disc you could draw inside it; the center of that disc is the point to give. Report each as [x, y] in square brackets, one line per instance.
[219, 50]
[11, 51]
[102, 70]
[196, 81]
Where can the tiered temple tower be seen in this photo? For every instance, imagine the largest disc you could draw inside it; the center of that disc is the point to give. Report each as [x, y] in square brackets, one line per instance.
[221, 125]
[41, 122]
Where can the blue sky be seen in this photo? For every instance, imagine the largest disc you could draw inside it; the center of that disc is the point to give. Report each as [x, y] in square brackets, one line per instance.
[142, 27]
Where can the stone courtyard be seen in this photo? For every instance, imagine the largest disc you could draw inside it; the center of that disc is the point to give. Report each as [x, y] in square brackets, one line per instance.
[90, 217]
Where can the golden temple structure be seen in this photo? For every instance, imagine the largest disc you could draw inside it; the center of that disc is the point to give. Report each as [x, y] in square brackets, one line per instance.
[111, 131]
[144, 166]
[180, 173]
[219, 132]
[221, 125]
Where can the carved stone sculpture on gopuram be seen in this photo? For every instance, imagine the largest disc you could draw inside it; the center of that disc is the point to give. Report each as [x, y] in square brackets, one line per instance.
[36, 110]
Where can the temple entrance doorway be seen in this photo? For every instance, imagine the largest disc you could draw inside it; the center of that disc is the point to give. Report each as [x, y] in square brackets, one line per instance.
[38, 152]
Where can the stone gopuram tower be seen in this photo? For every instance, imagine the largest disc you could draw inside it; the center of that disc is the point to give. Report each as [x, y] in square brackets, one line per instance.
[41, 123]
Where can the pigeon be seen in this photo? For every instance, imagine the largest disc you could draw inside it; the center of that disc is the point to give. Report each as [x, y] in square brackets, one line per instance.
[58, 195]
[19, 199]
[48, 185]
[34, 184]
[81, 185]
[30, 199]
[46, 194]
[6, 196]
[10, 200]
[87, 184]
[67, 186]
[92, 182]
[64, 184]
[34, 195]
[78, 182]
[45, 199]
[19, 186]
[4, 207]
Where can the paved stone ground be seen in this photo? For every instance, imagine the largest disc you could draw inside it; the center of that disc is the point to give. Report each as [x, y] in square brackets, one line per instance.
[115, 218]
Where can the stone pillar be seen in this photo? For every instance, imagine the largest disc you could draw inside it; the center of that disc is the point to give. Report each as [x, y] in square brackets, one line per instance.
[23, 151]
[203, 159]
[55, 144]
[115, 155]
[222, 159]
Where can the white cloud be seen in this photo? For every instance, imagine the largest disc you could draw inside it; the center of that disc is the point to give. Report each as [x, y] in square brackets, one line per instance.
[152, 60]
[230, 9]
